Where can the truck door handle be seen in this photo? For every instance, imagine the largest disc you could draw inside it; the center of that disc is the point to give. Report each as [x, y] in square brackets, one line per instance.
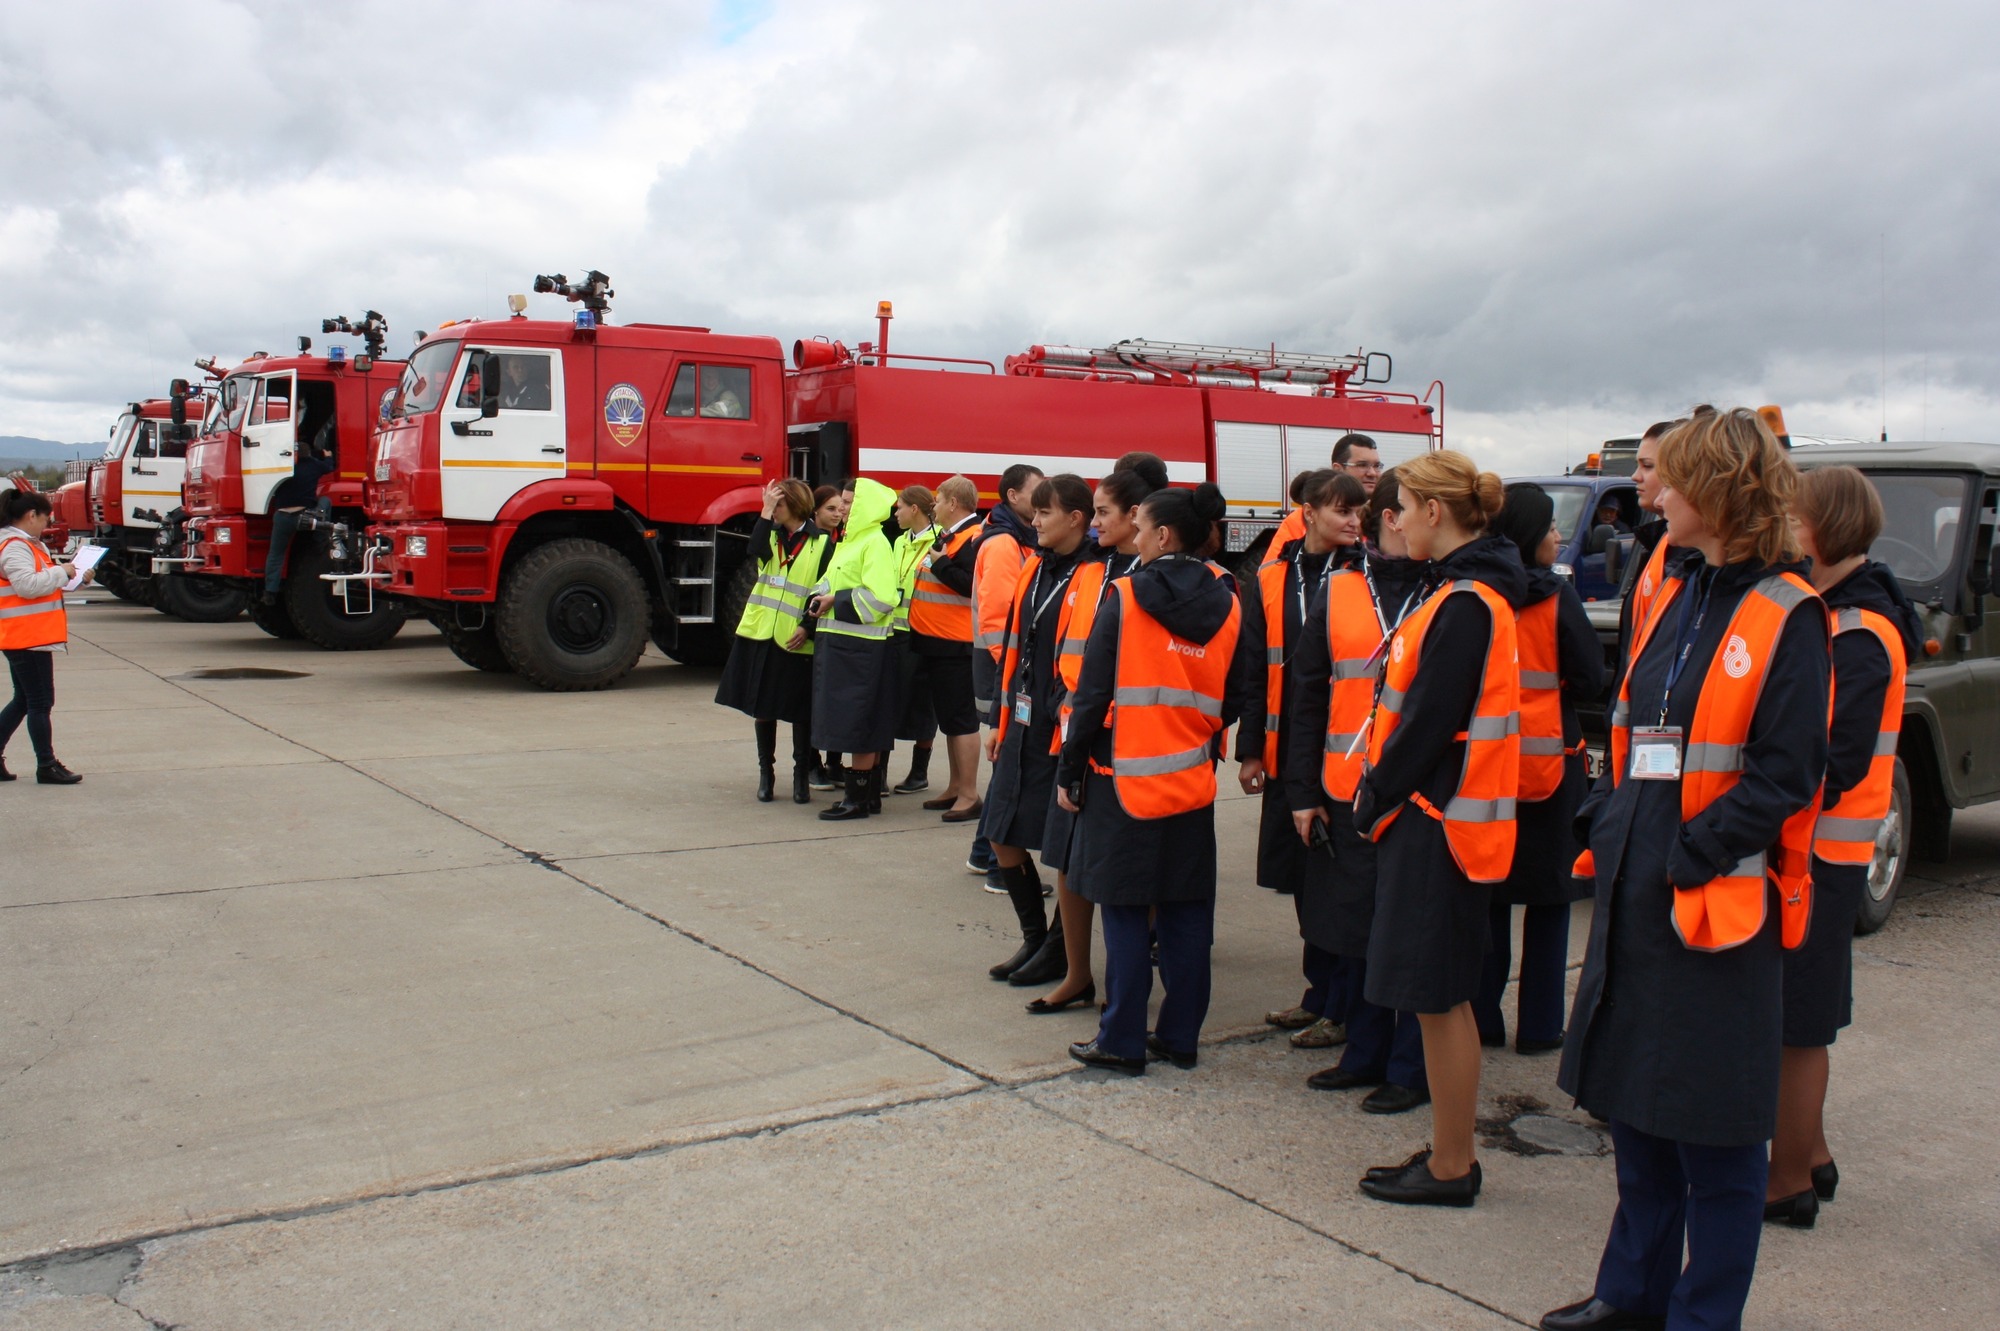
[249, 443]
[552, 448]
[753, 457]
[284, 452]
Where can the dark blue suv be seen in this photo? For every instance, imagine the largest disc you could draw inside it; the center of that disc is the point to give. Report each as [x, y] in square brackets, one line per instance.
[1595, 519]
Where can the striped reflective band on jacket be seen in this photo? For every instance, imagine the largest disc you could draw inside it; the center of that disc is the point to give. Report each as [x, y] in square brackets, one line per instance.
[1729, 909]
[1848, 837]
[1478, 819]
[776, 606]
[1354, 645]
[1169, 697]
[1541, 701]
[31, 621]
[996, 577]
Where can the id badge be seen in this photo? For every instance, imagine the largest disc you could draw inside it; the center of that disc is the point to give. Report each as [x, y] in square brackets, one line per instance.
[1024, 709]
[1656, 753]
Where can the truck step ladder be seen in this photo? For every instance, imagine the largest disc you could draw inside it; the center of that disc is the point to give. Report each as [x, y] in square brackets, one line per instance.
[691, 573]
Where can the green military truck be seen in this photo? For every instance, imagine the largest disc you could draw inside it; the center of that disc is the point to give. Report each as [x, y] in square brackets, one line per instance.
[1940, 503]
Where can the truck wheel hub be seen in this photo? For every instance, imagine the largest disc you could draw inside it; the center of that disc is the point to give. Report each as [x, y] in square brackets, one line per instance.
[581, 618]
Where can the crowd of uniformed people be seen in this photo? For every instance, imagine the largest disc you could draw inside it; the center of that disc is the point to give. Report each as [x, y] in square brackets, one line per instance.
[1403, 668]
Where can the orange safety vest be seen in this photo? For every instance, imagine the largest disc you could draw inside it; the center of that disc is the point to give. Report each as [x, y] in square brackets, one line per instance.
[1010, 637]
[1168, 710]
[1646, 591]
[1479, 817]
[1728, 911]
[936, 611]
[1542, 750]
[1848, 837]
[31, 621]
[1293, 528]
[1354, 645]
[996, 574]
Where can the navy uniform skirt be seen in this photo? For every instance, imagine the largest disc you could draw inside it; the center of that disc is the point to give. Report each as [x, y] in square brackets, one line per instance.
[1819, 975]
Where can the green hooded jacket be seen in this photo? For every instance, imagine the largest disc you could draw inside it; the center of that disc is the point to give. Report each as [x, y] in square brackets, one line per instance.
[862, 577]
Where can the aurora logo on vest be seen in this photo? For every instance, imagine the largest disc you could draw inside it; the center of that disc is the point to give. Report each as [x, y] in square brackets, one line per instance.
[624, 413]
[1736, 657]
[1186, 648]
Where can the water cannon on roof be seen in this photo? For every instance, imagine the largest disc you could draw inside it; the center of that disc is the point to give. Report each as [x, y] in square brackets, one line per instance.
[371, 328]
[594, 293]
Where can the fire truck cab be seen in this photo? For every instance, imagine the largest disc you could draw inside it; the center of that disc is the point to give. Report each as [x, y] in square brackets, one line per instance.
[553, 493]
[260, 415]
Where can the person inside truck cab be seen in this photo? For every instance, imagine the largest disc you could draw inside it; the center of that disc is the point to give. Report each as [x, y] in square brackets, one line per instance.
[718, 397]
[294, 495]
[524, 383]
[1608, 515]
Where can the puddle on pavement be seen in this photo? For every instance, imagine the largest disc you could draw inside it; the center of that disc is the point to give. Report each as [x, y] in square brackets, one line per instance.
[1524, 1127]
[245, 672]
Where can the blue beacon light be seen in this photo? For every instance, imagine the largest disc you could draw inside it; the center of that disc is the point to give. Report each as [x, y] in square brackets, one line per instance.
[335, 355]
[586, 319]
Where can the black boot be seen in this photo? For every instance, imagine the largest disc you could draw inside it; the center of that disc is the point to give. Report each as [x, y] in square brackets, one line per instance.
[920, 773]
[1024, 889]
[1050, 962]
[767, 758]
[855, 805]
[875, 777]
[802, 785]
[5, 775]
[53, 773]
[805, 761]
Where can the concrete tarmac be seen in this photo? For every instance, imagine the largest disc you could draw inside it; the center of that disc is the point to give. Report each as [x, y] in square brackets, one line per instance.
[385, 993]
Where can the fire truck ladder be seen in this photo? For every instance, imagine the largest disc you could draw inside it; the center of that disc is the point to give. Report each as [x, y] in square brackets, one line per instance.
[693, 578]
[1262, 362]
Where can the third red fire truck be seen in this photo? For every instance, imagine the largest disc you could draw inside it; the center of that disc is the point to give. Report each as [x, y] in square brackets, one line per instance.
[553, 493]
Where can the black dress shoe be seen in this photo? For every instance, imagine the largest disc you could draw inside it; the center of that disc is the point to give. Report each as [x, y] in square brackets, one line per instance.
[1342, 1079]
[1826, 1177]
[1389, 1098]
[941, 802]
[1416, 1186]
[1800, 1210]
[911, 784]
[1157, 1052]
[1384, 1171]
[1594, 1314]
[1525, 1046]
[1083, 997]
[55, 774]
[1087, 1053]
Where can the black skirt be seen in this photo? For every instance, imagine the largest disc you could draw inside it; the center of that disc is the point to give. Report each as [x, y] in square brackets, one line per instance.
[1118, 860]
[763, 680]
[914, 721]
[854, 694]
[1819, 975]
[1281, 856]
[1021, 790]
[1058, 835]
[1337, 892]
[1427, 947]
[1545, 847]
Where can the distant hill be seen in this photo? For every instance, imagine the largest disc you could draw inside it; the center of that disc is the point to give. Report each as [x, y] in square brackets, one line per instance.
[18, 449]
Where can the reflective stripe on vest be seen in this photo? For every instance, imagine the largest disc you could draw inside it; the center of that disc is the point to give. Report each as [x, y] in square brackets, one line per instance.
[1271, 593]
[1848, 837]
[1354, 645]
[936, 611]
[31, 621]
[1169, 708]
[1479, 817]
[1080, 604]
[1729, 909]
[777, 604]
[1646, 594]
[1541, 702]
[910, 551]
[987, 632]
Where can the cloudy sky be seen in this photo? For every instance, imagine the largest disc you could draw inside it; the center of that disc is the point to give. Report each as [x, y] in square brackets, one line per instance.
[1580, 217]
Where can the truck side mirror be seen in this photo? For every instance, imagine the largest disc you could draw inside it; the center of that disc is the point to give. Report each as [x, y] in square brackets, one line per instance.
[489, 387]
[1601, 536]
[1614, 559]
[177, 396]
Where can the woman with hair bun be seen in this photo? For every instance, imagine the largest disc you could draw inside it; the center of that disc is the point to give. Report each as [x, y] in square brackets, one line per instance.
[33, 628]
[1437, 797]
[1141, 776]
[1717, 750]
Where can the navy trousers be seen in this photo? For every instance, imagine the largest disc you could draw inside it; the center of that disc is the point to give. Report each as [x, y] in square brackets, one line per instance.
[1187, 933]
[1710, 1196]
[1381, 1040]
[1325, 994]
[1539, 1002]
[34, 698]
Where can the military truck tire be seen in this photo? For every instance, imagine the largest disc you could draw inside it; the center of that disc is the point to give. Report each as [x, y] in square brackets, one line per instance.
[478, 648]
[274, 619]
[315, 609]
[201, 600]
[113, 577]
[1892, 857]
[573, 616]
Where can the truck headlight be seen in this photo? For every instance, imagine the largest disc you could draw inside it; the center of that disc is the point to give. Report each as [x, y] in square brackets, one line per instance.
[416, 547]
[224, 535]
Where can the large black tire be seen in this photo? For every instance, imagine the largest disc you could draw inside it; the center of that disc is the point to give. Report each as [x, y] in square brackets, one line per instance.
[316, 609]
[1892, 857]
[113, 576]
[201, 600]
[478, 648]
[274, 619]
[572, 616]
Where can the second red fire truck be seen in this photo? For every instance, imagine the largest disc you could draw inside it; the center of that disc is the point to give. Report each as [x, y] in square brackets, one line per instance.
[553, 493]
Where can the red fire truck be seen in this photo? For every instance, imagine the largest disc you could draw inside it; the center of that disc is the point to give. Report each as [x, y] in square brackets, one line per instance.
[259, 415]
[552, 493]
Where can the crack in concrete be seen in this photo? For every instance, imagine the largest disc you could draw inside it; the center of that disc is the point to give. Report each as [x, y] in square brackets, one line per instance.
[255, 887]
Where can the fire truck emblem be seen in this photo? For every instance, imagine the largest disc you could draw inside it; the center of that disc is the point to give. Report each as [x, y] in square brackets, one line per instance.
[624, 413]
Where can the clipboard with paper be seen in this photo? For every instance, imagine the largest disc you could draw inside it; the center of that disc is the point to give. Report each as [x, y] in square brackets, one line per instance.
[87, 558]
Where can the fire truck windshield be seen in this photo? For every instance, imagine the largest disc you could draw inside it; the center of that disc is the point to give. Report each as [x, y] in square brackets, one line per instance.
[211, 418]
[424, 379]
[119, 434]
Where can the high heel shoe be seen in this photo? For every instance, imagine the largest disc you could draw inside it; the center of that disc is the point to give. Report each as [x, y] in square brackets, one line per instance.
[1826, 1180]
[1083, 997]
[1800, 1210]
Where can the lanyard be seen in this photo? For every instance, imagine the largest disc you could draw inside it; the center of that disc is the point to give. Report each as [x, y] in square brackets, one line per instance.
[1684, 640]
[1375, 599]
[1032, 626]
[1299, 577]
